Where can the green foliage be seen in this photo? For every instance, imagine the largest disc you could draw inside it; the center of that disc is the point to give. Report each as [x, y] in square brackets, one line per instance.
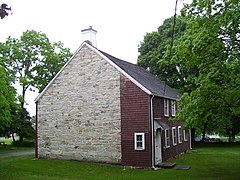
[7, 98]
[154, 47]
[209, 51]
[25, 143]
[20, 124]
[203, 64]
[33, 60]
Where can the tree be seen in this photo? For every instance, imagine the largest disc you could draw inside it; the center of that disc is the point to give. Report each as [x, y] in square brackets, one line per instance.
[211, 45]
[4, 10]
[32, 60]
[154, 46]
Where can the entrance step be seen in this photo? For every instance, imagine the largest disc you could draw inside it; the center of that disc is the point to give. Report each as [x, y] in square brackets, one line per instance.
[166, 165]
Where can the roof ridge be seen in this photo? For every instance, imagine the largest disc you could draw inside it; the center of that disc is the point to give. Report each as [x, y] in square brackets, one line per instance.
[144, 77]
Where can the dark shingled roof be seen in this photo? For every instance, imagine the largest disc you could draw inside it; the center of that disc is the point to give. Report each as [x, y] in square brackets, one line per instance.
[143, 77]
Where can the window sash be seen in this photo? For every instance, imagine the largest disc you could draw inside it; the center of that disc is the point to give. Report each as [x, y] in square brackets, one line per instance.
[139, 141]
[184, 135]
[179, 134]
[167, 138]
[166, 107]
[173, 103]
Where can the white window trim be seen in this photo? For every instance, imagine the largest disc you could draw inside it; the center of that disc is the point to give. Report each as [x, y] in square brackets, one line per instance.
[184, 135]
[167, 138]
[166, 104]
[173, 105]
[179, 134]
[135, 141]
[174, 136]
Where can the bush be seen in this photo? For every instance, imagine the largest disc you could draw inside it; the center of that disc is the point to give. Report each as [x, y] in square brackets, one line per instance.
[24, 143]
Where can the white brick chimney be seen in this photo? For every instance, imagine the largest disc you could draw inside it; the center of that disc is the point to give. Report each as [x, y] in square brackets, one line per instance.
[89, 35]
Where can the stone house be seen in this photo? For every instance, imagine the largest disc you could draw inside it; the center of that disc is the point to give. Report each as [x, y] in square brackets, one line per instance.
[100, 108]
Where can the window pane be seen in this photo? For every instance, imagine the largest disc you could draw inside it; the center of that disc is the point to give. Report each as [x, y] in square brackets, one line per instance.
[139, 144]
[139, 137]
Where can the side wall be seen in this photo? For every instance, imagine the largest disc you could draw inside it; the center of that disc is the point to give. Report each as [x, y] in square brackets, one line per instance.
[135, 119]
[79, 114]
[173, 150]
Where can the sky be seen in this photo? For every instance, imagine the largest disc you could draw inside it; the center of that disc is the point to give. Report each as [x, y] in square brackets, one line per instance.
[120, 24]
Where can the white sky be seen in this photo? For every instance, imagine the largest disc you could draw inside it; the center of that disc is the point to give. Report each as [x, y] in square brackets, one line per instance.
[120, 24]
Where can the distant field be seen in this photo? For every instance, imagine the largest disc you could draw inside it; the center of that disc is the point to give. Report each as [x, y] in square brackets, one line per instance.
[208, 161]
[10, 148]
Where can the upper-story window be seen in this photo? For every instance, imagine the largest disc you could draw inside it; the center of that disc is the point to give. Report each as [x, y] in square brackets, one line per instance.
[173, 105]
[166, 107]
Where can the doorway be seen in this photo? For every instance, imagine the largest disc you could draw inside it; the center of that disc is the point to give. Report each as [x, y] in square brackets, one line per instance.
[158, 147]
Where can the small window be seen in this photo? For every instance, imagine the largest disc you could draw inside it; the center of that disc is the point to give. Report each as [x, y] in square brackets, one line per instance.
[174, 136]
[173, 103]
[139, 141]
[179, 134]
[167, 138]
[184, 135]
[166, 107]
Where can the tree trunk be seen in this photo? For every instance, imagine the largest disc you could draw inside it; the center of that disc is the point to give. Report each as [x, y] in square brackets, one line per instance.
[229, 136]
[204, 131]
[193, 130]
[20, 138]
[13, 138]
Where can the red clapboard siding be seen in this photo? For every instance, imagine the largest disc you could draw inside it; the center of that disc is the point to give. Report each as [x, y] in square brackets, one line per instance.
[167, 153]
[134, 119]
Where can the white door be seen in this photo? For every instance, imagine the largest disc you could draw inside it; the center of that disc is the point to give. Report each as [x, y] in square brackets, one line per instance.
[158, 148]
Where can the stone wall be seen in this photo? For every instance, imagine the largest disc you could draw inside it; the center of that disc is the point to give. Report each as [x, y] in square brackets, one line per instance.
[79, 113]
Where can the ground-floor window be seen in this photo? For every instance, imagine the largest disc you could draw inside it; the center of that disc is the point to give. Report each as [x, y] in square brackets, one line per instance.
[184, 135]
[179, 134]
[139, 141]
[167, 138]
[174, 136]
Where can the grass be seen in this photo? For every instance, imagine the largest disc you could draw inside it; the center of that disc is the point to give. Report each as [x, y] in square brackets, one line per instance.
[9, 148]
[208, 161]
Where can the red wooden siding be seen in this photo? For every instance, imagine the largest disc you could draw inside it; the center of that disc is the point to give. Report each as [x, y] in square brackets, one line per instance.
[158, 111]
[135, 107]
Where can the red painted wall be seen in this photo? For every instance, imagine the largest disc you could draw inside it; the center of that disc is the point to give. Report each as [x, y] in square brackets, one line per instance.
[167, 153]
[135, 107]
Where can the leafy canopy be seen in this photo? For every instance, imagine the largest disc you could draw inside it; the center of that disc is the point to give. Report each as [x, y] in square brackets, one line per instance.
[154, 46]
[211, 46]
[31, 61]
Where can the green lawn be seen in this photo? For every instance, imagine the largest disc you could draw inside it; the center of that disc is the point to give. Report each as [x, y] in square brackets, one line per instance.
[10, 148]
[209, 161]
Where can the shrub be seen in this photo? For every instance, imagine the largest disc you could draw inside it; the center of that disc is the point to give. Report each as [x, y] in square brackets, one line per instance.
[26, 143]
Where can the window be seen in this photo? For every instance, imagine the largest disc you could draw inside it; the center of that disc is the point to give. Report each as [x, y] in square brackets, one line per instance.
[139, 141]
[167, 138]
[174, 136]
[179, 134]
[173, 103]
[184, 135]
[166, 107]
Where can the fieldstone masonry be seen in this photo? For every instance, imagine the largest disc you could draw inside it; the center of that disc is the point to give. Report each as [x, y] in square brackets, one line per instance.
[79, 113]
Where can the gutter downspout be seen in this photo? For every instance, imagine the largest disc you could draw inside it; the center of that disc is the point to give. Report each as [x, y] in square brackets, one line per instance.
[152, 133]
[36, 131]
